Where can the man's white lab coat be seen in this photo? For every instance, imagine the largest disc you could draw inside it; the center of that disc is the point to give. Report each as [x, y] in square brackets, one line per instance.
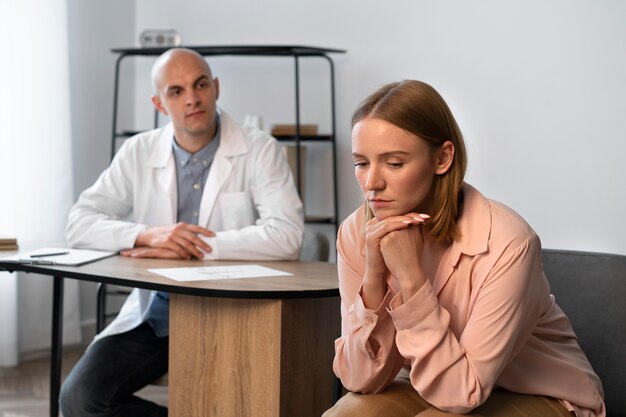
[249, 200]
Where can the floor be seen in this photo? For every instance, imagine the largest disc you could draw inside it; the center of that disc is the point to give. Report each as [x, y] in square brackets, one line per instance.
[25, 389]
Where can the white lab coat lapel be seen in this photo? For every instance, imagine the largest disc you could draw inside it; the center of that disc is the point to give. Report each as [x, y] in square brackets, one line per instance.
[163, 162]
[232, 143]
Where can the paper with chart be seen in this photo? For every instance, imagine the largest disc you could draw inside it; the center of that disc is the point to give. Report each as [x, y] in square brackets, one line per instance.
[210, 273]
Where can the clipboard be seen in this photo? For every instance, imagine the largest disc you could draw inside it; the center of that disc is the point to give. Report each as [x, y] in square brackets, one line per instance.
[58, 256]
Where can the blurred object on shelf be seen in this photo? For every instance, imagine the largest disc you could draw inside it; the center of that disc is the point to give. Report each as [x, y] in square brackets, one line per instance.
[155, 38]
[290, 130]
[8, 243]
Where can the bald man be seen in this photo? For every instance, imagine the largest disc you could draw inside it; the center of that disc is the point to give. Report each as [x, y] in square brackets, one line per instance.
[201, 187]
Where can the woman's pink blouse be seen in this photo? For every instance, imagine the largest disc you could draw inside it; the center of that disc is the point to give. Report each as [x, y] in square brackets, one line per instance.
[485, 320]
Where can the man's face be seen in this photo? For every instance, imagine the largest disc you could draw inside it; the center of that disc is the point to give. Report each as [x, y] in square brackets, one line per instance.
[187, 92]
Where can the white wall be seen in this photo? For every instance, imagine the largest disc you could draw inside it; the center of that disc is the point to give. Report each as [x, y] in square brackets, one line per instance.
[538, 89]
[94, 28]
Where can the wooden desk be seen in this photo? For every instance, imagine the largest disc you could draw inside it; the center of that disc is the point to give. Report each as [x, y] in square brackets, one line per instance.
[247, 347]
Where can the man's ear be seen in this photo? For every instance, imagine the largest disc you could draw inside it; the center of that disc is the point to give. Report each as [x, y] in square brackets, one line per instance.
[156, 101]
[445, 157]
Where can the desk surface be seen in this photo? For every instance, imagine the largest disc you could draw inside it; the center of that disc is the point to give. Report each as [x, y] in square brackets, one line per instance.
[309, 280]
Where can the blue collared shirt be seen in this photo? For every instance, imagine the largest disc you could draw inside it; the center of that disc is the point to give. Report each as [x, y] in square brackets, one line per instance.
[192, 171]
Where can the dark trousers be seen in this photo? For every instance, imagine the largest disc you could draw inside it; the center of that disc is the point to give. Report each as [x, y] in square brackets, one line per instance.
[104, 380]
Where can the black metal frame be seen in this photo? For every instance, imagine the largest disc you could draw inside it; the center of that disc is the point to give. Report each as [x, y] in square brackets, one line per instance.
[57, 350]
[102, 291]
[296, 52]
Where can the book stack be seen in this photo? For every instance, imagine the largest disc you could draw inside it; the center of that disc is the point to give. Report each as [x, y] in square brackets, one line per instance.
[8, 243]
[289, 130]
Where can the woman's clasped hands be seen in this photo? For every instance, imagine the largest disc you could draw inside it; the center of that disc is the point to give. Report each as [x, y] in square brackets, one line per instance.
[394, 246]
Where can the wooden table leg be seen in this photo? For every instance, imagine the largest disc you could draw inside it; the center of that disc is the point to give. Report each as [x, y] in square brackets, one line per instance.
[246, 357]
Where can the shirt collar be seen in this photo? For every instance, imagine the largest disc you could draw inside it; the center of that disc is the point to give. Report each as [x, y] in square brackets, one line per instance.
[206, 153]
[474, 223]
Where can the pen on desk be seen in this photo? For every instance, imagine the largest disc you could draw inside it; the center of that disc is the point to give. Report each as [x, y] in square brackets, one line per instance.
[43, 255]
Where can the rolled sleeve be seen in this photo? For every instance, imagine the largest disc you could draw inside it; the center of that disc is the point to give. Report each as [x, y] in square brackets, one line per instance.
[415, 310]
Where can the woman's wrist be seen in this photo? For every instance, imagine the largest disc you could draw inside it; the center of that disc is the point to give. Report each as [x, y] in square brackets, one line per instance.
[411, 283]
[374, 289]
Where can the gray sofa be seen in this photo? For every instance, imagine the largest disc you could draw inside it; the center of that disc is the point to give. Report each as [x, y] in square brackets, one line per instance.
[591, 289]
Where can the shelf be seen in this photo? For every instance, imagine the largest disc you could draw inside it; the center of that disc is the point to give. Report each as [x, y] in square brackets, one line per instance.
[316, 138]
[128, 133]
[289, 51]
[319, 219]
[241, 50]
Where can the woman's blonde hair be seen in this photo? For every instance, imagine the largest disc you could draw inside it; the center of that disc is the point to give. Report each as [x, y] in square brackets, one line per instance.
[416, 107]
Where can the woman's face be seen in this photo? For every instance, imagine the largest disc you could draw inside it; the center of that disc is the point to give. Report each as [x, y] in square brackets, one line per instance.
[395, 169]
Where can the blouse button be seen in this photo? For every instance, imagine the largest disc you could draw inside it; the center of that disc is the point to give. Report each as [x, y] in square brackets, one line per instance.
[472, 401]
[369, 320]
[196, 186]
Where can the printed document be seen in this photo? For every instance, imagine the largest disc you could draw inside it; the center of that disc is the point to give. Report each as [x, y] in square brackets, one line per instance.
[207, 273]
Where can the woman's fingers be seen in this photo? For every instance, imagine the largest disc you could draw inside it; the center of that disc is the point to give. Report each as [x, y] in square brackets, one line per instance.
[377, 230]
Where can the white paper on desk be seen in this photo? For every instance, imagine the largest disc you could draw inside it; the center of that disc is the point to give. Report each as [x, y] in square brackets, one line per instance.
[208, 273]
[69, 257]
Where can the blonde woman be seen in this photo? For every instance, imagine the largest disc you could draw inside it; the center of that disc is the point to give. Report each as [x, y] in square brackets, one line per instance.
[445, 306]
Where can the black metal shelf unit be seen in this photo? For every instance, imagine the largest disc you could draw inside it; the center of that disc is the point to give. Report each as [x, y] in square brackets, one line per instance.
[296, 52]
